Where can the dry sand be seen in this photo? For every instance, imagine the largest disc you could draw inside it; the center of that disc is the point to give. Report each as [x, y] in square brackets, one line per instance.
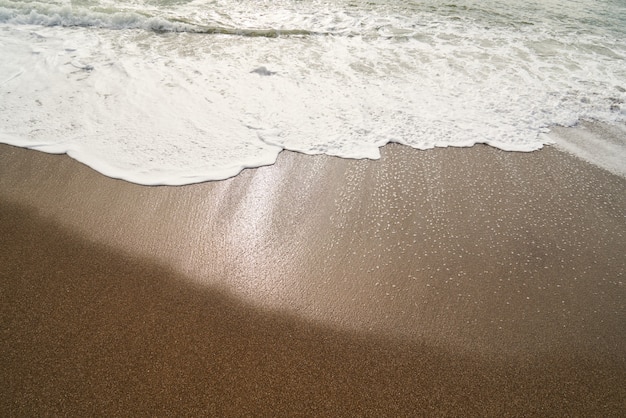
[457, 282]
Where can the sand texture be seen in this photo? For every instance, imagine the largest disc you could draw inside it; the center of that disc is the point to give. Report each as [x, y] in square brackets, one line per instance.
[449, 282]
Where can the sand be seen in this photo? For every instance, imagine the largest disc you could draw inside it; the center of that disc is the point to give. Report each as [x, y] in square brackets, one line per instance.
[456, 282]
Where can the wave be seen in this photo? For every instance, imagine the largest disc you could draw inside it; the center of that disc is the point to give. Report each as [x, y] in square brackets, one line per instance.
[183, 108]
[244, 22]
[66, 16]
[301, 19]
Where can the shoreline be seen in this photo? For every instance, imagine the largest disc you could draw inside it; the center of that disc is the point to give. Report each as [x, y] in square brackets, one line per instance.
[456, 281]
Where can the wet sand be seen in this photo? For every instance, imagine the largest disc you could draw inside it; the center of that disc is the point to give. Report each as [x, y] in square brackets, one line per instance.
[456, 282]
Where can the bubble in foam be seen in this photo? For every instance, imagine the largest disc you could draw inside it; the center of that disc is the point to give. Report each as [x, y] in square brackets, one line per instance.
[175, 94]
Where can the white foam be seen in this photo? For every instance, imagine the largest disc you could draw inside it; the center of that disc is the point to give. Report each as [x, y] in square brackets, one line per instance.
[182, 107]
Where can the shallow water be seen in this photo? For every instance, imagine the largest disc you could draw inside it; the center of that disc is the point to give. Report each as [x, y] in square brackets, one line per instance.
[176, 92]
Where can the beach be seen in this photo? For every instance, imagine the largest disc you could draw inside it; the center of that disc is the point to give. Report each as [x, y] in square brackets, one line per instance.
[446, 282]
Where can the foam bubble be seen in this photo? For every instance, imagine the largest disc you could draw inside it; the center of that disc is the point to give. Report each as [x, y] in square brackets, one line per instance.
[157, 99]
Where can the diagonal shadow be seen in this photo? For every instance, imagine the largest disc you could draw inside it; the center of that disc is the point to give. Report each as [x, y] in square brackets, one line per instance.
[90, 331]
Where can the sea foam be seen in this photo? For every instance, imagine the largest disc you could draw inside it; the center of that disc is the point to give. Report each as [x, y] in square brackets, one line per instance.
[176, 97]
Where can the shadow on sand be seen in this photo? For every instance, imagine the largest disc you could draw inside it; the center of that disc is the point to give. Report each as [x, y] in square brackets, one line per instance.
[90, 331]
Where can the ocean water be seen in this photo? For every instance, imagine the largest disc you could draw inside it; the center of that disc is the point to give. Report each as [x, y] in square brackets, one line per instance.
[177, 91]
